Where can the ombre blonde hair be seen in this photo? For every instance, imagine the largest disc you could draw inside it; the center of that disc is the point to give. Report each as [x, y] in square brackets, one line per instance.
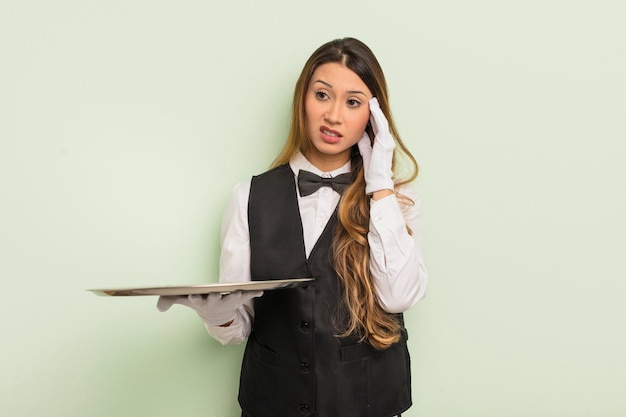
[367, 319]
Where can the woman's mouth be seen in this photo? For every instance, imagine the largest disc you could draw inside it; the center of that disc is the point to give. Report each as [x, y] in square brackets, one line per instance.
[329, 135]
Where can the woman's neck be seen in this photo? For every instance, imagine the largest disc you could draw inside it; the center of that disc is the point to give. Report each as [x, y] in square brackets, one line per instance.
[325, 162]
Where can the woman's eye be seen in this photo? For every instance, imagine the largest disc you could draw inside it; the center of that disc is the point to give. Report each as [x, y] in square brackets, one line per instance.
[321, 95]
[354, 103]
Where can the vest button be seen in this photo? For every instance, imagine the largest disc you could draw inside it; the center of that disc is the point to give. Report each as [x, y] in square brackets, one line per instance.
[304, 408]
[304, 326]
[304, 367]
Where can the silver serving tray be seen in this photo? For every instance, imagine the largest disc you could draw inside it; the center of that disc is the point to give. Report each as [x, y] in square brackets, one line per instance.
[225, 288]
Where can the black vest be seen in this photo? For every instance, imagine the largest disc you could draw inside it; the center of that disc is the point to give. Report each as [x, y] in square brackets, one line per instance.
[294, 363]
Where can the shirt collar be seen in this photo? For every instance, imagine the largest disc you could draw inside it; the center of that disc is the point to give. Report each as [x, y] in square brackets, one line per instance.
[299, 162]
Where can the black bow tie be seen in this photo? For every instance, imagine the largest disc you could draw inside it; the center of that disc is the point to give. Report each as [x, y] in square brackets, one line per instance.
[308, 182]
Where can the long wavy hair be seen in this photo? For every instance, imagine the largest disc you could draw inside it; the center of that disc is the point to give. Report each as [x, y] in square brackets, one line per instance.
[367, 320]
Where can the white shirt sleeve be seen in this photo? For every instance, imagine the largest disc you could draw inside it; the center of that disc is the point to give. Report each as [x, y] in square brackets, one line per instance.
[235, 264]
[396, 257]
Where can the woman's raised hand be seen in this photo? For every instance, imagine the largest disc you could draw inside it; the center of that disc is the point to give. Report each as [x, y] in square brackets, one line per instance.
[377, 159]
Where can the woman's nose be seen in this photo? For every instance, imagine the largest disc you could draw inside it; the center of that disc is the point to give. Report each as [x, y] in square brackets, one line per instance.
[333, 113]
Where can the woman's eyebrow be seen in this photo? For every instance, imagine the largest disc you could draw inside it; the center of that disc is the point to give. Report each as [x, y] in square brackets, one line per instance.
[347, 92]
[323, 82]
[356, 92]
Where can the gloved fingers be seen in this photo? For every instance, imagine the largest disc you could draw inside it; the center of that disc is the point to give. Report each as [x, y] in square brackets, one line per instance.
[213, 299]
[237, 298]
[166, 302]
[249, 295]
[201, 300]
[377, 117]
[365, 147]
[380, 126]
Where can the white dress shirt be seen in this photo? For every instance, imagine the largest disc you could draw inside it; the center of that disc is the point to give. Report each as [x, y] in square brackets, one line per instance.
[396, 258]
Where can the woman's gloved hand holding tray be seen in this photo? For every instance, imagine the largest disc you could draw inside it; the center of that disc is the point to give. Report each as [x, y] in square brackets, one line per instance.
[222, 288]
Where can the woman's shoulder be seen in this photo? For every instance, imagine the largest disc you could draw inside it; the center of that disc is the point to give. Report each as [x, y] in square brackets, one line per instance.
[273, 171]
[242, 188]
[281, 171]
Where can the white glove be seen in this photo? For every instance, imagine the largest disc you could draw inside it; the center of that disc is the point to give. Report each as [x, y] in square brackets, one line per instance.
[214, 309]
[377, 159]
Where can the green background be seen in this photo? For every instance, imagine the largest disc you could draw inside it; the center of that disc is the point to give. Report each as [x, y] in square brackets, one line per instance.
[125, 124]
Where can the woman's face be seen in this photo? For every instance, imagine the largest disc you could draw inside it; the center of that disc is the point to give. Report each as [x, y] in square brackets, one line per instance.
[336, 113]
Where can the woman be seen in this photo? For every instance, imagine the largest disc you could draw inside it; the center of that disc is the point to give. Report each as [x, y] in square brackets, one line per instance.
[337, 347]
